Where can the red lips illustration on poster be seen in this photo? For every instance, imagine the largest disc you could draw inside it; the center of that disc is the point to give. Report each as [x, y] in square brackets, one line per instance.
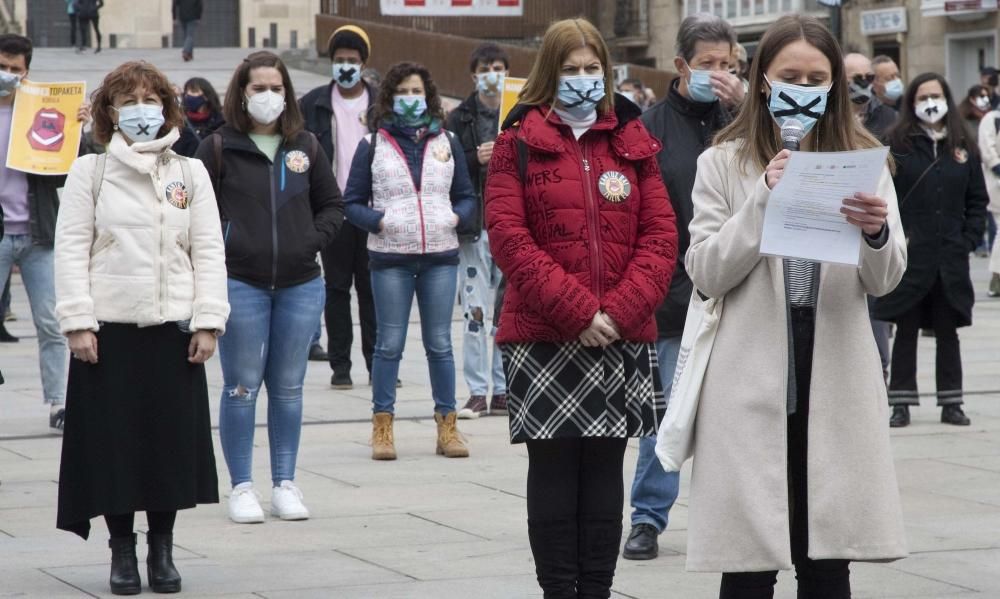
[46, 132]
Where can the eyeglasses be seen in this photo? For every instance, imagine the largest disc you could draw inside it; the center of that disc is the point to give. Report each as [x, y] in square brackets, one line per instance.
[867, 77]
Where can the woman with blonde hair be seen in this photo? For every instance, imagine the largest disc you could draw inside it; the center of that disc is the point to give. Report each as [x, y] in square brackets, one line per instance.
[792, 463]
[580, 225]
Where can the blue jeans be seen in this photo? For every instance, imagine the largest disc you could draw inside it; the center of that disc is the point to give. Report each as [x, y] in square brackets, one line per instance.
[189, 28]
[38, 275]
[655, 490]
[393, 288]
[480, 277]
[266, 341]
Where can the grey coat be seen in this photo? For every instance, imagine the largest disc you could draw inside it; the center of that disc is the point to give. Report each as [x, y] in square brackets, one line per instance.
[739, 516]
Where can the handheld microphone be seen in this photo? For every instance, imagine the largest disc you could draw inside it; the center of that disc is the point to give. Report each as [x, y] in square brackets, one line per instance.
[792, 133]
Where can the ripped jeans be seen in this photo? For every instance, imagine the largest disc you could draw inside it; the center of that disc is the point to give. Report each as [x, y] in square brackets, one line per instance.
[266, 342]
[478, 278]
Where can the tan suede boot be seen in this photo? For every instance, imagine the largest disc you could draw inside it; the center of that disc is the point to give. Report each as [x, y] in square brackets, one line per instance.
[383, 447]
[450, 442]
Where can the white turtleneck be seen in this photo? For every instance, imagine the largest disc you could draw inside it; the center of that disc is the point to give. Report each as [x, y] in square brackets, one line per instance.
[579, 126]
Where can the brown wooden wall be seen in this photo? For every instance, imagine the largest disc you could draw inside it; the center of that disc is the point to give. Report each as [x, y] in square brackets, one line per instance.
[536, 18]
[447, 56]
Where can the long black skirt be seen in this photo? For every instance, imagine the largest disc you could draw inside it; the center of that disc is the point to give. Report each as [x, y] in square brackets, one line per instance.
[137, 431]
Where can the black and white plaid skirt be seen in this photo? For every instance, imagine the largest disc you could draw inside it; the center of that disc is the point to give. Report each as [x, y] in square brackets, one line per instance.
[566, 390]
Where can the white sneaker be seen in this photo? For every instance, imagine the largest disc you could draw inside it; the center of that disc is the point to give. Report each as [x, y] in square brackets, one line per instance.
[244, 505]
[286, 502]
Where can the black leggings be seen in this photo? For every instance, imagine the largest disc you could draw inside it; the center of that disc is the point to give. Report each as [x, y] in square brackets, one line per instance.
[818, 579]
[570, 478]
[123, 525]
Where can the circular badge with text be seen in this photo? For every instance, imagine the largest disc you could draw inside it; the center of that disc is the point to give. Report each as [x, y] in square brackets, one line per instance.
[297, 161]
[177, 195]
[614, 186]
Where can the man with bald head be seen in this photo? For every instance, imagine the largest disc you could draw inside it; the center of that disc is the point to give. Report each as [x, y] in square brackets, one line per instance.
[871, 113]
[888, 85]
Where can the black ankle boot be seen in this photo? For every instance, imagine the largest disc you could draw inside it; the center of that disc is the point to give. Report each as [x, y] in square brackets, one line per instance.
[900, 416]
[554, 548]
[954, 415]
[124, 566]
[163, 576]
[599, 541]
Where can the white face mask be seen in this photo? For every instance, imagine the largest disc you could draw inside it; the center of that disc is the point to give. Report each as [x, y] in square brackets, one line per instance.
[265, 107]
[931, 110]
[982, 102]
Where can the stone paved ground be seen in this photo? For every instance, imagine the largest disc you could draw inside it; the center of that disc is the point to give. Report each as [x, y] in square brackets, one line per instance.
[427, 527]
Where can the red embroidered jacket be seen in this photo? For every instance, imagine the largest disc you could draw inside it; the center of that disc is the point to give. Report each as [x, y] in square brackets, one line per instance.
[566, 249]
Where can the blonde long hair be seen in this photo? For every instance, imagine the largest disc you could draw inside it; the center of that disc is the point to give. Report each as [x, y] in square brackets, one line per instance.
[561, 38]
[754, 129]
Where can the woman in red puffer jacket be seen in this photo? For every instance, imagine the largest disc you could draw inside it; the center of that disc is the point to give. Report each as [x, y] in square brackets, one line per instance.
[580, 224]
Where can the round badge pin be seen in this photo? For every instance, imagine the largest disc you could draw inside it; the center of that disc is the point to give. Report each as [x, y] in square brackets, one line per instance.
[442, 153]
[961, 156]
[177, 195]
[297, 161]
[614, 186]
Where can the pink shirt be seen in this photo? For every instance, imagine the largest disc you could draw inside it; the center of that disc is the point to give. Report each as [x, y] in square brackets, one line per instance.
[350, 125]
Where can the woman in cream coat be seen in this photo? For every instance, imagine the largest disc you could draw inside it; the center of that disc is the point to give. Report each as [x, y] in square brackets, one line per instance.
[141, 295]
[759, 479]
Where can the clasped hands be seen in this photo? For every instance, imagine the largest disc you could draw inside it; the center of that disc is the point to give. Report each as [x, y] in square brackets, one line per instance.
[602, 332]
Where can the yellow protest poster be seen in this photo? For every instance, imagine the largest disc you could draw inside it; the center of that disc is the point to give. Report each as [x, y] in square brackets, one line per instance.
[44, 132]
[508, 97]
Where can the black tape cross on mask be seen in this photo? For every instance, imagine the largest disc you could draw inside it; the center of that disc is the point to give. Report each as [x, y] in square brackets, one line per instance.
[584, 96]
[804, 110]
[143, 129]
[346, 75]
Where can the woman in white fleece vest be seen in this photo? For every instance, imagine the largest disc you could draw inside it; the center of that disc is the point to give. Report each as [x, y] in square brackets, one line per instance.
[141, 295]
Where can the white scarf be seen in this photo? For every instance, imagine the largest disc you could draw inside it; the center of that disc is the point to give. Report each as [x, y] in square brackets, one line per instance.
[141, 156]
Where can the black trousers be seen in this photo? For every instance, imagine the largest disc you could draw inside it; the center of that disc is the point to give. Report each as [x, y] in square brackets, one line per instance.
[345, 261]
[575, 498]
[73, 26]
[123, 525]
[948, 361]
[818, 579]
[85, 24]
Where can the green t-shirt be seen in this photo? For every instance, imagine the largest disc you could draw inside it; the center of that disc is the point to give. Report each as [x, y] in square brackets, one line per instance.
[268, 144]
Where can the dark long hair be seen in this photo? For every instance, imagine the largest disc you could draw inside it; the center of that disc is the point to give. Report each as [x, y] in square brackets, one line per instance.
[967, 109]
[290, 122]
[211, 97]
[908, 125]
[382, 108]
[755, 130]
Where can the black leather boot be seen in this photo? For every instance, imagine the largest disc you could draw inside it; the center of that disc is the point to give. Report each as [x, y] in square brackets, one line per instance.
[600, 539]
[954, 415]
[124, 566]
[163, 576]
[900, 416]
[554, 548]
[642, 542]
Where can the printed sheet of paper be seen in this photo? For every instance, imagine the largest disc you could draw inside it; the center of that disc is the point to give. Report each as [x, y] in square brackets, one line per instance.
[508, 97]
[44, 133]
[803, 218]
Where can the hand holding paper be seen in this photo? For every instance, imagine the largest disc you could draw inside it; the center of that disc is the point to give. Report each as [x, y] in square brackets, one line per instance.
[807, 216]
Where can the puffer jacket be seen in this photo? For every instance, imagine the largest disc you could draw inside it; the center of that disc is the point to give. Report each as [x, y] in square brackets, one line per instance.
[276, 216]
[567, 250]
[146, 250]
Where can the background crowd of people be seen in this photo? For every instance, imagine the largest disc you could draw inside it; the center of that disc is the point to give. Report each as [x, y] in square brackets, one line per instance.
[573, 233]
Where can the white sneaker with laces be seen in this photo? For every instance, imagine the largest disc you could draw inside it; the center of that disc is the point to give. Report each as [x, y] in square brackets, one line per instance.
[244, 505]
[286, 502]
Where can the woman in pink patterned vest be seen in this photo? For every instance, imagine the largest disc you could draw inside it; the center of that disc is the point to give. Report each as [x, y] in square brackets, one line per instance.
[407, 189]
